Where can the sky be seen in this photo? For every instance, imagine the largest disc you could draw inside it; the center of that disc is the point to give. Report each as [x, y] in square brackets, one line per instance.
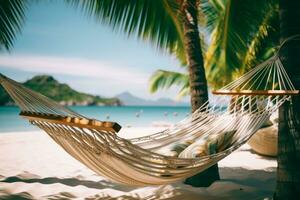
[62, 41]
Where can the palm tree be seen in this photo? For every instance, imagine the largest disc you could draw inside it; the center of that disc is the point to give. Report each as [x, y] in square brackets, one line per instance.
[172, 25]
[231, 50]
[288, 176]
[12, 14]
[197, 78]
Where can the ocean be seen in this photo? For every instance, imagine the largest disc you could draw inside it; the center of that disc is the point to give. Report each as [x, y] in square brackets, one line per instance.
[135, 116]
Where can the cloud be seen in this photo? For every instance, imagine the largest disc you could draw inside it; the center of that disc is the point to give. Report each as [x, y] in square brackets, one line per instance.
[76, 67]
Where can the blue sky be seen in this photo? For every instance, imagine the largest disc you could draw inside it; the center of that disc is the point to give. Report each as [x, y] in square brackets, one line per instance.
[61, 41]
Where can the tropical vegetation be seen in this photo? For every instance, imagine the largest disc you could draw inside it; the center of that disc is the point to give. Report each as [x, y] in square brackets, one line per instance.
[240, 32]
[238, 35]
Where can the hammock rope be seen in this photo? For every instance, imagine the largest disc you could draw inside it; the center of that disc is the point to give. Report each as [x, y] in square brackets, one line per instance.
[143, 161]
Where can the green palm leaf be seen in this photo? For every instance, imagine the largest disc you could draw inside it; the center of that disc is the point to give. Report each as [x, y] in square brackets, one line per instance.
[234, 25]
[153, 20]
[162, 79]
[11, 19]
[265, 41]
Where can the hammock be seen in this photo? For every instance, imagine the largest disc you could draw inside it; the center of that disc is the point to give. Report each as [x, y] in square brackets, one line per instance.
[203, 138]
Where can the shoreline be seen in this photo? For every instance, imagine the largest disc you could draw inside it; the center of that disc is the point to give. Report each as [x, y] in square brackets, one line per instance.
[32, 166]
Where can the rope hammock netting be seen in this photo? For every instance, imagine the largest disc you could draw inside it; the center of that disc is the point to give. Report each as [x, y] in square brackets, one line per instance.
[190, 146]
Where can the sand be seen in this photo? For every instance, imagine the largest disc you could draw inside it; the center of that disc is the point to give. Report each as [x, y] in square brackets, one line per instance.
[32, 166]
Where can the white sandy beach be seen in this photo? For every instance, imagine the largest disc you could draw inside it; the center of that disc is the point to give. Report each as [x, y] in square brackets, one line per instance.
[32, 166]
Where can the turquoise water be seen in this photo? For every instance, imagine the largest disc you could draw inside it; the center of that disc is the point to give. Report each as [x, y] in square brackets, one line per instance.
[10, 121]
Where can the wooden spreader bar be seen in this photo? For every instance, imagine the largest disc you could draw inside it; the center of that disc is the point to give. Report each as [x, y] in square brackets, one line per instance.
[257, 92]
[72, 121]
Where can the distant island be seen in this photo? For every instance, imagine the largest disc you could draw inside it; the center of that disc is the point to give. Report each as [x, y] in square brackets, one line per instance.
[60, 92]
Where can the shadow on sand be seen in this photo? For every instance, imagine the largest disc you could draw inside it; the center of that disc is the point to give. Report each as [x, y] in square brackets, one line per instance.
[236, 183]
[69, 182]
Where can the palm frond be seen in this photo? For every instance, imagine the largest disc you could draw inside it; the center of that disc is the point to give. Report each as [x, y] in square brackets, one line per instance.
[184, 91]
[153, 20]
[12, 15]
[265, 41]
[162, 79]
[233, 25]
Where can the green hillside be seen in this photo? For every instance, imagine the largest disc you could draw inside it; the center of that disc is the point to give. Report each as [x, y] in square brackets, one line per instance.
[59, 92]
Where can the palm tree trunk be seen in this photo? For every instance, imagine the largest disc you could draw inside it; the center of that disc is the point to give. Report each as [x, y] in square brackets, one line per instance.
[198, 83]
[288, 170]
